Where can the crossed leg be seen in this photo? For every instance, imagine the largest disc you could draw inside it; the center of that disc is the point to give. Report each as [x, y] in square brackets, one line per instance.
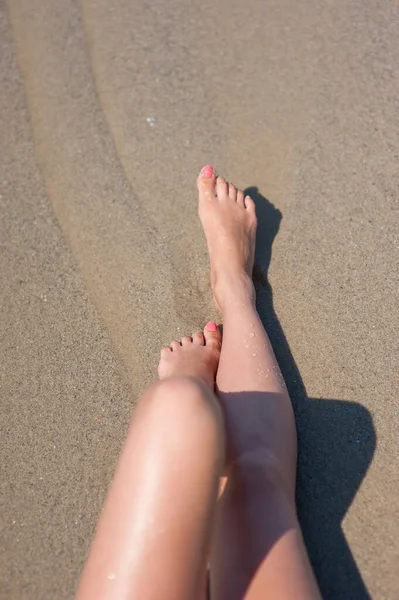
[161, 520]
[154, 534]
[257, 551]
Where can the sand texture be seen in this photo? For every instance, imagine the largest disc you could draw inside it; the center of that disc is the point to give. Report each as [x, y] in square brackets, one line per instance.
[107, 111]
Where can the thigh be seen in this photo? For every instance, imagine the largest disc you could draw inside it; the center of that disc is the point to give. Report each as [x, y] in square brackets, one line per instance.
[154, 534]
[258, 550]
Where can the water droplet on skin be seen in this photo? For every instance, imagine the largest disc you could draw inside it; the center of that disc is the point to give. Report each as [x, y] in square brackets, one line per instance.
[251, 335]
[111, 576]
[254, 354]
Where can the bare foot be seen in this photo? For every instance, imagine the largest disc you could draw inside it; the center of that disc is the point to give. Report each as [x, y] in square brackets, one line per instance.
[196, 356]
[229, 223]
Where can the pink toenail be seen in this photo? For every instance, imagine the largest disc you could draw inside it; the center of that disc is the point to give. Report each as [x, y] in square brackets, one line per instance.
[207, 171]
[211, 326]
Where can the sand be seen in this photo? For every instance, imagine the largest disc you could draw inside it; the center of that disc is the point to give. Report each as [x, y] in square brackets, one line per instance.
[107, 112]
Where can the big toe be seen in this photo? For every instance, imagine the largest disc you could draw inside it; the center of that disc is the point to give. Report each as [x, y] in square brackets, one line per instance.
[206, 182]
[213, 337]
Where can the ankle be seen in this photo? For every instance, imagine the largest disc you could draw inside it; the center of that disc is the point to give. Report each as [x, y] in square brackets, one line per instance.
[237, 290]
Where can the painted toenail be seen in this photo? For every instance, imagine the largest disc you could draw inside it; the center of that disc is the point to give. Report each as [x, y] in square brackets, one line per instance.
[207, 171]
[211, 326]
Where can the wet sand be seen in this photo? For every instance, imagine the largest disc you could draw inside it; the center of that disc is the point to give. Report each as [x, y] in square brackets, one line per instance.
[107, 112]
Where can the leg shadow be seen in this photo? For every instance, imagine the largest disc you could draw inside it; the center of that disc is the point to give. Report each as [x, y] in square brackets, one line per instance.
[336, 441]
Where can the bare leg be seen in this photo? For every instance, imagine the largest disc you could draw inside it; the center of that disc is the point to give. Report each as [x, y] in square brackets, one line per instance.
[258, 550]
[154, 534]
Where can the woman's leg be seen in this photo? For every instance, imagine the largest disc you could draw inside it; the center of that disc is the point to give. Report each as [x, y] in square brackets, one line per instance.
[154, 534]
[258, 551]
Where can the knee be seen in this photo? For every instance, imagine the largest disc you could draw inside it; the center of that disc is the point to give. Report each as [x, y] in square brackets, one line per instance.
[183, 402]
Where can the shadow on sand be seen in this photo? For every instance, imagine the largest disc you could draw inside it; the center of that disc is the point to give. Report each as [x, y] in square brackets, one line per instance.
[336, 441]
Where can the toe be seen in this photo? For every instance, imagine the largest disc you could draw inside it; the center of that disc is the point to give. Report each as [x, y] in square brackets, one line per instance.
[206, 183]
[198, 338]
[175, 345]
[186, 340]
[212, 335]
[249, 203]
[232, 192]
[165, 351]
[240, 198]
[222, 190]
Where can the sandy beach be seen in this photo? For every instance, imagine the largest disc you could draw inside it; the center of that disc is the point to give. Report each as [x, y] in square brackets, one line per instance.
[107, 112]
